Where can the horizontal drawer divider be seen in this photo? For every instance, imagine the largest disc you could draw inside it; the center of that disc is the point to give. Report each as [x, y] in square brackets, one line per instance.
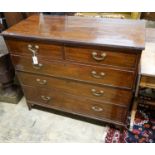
[76, 80]
[72, 61]
[104, 65]
[84, 64]
[76, 96]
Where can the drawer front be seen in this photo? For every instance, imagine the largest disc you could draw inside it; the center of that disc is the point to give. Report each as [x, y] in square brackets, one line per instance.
[73, 104]
[147, 81]
[96, 75]
[100, 57]
[45, 50]
[99, 93]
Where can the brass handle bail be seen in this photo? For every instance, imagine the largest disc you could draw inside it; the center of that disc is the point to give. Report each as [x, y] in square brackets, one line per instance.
[97, 109]
[45, 98]
[98, 76]
[99, 58]
[98, 94]
[42, 82]
[33, 49]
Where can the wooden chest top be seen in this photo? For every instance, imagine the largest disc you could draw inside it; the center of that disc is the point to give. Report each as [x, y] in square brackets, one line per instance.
[82, 30]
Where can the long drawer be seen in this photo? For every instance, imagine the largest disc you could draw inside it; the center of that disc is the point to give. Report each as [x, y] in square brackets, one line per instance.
[76, 105]
[101, 57]
[87, 73]
[40, 49]
[99, 93]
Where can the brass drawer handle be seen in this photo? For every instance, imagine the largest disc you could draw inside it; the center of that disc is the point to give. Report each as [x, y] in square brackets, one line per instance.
[37, 66]
[96, 108]
[33, 49]
[42, 82]
[102, 57]
[94, 74]
[95, 93]
[45, 98]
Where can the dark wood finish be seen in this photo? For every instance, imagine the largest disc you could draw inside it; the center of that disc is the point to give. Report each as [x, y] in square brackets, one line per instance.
[82, 106]
[148, 15]
[82, 30]
[6, 71]
[1, 27]
[13, 18]
[112, 77]
[109, 95]
[3, 22]
[110, 57]
[9, 91]
[66, 73]
[50, 51]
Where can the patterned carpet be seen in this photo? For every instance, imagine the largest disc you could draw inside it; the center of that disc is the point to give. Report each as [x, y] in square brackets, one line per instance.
[143, 129]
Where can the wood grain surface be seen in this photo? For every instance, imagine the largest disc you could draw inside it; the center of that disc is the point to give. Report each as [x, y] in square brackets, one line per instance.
[83, 30]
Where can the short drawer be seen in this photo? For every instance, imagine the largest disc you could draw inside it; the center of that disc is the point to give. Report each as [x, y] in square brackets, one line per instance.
[98, 93]
[74, 104]
[92, 74]
[101, 57]
[41, 49]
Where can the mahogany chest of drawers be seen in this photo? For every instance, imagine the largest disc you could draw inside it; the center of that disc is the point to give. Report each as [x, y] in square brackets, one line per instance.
[79, 65]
